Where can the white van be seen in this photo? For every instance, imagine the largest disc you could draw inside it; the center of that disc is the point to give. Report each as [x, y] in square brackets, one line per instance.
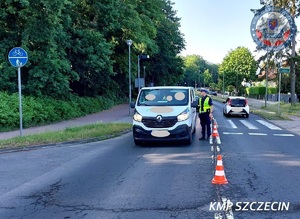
[164, 114]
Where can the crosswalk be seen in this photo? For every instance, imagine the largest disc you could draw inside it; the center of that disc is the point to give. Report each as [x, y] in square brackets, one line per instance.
[253, 128]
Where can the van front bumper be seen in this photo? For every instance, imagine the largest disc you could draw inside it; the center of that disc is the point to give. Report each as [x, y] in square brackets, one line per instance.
[182, 132]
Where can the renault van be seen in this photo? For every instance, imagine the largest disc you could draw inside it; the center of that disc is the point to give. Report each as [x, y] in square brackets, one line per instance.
[164, 114]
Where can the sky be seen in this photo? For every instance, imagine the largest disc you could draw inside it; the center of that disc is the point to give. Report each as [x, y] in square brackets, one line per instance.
[212, 28]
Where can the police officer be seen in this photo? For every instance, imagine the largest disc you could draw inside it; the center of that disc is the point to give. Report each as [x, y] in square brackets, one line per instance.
[205, 114]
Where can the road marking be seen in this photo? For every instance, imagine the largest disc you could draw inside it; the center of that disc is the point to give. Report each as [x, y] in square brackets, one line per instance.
[257, 134]
[248, 124]
[269, 125]
[232, 124]
[233, 133]
[284, 135]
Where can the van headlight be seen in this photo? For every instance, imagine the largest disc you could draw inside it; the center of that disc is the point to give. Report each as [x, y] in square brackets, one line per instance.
[137, 117]
[184, 115]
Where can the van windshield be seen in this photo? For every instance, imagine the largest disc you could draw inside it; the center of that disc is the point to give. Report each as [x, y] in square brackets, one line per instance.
[163, 97]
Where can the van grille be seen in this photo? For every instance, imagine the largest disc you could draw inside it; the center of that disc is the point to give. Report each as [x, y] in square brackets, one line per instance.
[166, 122]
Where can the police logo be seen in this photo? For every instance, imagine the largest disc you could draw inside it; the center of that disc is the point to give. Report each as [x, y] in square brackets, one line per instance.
[272, 29]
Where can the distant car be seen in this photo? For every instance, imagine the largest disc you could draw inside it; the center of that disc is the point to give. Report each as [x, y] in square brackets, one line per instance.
[236, 106]
[209, 92]
[214, 93]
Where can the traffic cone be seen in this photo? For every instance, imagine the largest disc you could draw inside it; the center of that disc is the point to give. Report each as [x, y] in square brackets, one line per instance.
[219, 177]
[210, 140]
[215, 131]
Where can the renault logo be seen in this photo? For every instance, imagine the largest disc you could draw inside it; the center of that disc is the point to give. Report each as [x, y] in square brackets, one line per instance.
[159, 118]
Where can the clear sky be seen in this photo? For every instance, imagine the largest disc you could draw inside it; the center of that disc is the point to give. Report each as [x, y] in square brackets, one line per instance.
[212, 28]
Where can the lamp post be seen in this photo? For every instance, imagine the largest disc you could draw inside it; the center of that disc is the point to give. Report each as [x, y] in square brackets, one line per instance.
[266, 92]
[244, 84]
[144, 76]
[139, 76]
[223, 83]
[141, 58]
[129, 43]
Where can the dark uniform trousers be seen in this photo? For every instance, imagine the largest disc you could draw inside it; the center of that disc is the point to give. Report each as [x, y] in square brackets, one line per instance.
[205, 124]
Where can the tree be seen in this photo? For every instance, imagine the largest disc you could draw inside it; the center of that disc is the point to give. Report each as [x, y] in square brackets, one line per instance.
[207, 77]
[80, 46]
[195, 68]
[237, 65]
[166, 65]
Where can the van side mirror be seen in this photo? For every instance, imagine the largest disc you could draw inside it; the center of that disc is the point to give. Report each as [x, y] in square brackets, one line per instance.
[195, 103]
[132, 105]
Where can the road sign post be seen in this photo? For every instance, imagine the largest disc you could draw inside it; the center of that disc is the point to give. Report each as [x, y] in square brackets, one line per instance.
[18, 58]
[281, 70]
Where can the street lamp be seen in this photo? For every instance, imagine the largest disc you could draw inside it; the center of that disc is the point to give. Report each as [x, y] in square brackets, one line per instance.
[140, 58]
[244, 83]
[144, 76]
[129, 43]
[223, 83]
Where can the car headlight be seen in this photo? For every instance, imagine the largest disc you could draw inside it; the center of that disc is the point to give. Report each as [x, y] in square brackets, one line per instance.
[184, 115]
[137, 117]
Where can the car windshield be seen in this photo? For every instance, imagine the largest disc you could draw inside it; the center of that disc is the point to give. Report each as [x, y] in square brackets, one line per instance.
[163, 97]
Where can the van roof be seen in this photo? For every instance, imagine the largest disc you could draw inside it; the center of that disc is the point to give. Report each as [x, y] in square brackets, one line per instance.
[166, 87]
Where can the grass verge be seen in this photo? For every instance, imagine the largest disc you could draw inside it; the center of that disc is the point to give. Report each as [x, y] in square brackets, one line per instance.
[99, 131]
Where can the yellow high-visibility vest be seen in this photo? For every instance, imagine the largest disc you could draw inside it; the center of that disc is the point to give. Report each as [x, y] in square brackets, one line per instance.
[206, 105]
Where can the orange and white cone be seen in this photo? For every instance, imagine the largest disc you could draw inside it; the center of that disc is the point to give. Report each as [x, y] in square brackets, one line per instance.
[218, 139]
[215, 131]
[215, 134]
[219, 177]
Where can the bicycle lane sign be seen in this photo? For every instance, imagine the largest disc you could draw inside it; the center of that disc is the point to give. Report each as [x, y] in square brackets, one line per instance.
[17, 57]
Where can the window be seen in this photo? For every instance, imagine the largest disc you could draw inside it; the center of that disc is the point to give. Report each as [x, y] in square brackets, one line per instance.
[163, 97]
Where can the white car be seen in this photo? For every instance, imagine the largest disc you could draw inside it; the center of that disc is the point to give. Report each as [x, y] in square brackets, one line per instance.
[236, 106]
[164, 114]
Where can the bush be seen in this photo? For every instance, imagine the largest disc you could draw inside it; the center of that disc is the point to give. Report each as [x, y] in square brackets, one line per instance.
[46, 110]
[255, 91]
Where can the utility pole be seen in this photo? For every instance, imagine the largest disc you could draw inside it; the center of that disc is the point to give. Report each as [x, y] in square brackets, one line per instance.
[293, 67]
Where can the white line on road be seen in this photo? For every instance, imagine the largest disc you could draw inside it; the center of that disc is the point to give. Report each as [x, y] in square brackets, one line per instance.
[232, 124]
[284, 135]
[257, 134]
[248, 124]
[233, 133]
[269, 125]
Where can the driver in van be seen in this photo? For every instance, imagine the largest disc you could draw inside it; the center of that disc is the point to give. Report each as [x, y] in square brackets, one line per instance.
[205, 114]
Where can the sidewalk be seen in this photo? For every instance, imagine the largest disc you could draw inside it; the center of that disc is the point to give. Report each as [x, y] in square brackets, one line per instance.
[292, 125]
[119, 113]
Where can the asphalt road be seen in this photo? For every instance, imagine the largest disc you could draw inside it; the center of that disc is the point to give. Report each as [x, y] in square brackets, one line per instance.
[116, 179]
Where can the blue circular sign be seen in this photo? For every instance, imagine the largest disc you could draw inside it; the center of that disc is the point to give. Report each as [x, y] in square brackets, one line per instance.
[17, 57]
[273, 29]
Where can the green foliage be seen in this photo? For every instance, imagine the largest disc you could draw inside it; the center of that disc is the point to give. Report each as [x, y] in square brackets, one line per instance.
[213, 86]
[230, 88]
[199, 70]
[260, 90]
[165, 64]
[45, 110]
[237, 65]
[80, 46]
